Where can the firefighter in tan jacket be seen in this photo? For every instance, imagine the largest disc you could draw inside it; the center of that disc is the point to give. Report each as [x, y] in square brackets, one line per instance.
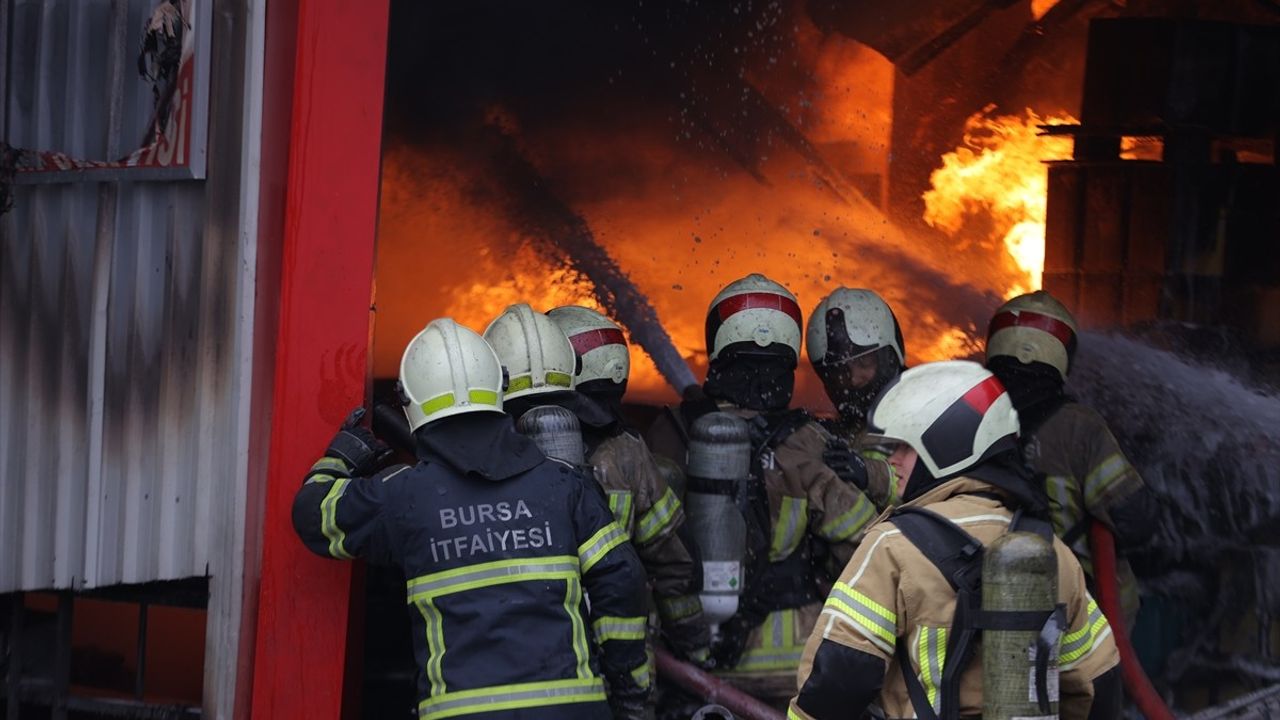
[1030, 344]
[804, 521]
[639, 496]
[889, 624]
[855, 346]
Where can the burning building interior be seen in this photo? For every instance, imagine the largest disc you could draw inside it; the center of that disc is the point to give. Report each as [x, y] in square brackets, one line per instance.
[179, 340]
[634, 157]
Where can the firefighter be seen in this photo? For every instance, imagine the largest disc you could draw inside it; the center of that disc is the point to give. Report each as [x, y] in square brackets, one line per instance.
[801, 512]
[1030, 345]
[855, 345]
[891, 630]
[641, 500]
[501, 546]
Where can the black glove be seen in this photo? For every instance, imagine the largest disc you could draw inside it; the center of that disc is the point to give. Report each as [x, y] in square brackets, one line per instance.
[846, 463]
[728, 648]
[628, 708]
[357, 447]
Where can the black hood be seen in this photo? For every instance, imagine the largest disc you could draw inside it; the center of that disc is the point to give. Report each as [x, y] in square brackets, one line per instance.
[596, 421]
[1003, 469]
[483, 444]
[1035, 388]
[752, 377]
[607, 394]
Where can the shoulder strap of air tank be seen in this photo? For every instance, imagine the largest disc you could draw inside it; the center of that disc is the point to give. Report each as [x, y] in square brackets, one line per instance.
[952, 550]
[958, 556]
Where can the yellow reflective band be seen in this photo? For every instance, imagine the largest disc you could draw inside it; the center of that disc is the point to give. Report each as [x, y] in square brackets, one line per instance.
[436, 404]
[609, 628]
[525, 382]
[931, 653]
[573, 606]
[1062, 504]
[659, 517]
[680, 607]
[1077, 644]
[620, 506]
[475, 396]
[641, 676]
[497, 698]
[876, 622]
[850, 522]
[593, 550]
[793, 715]
[435, 644]
[327, 469]
[329, 519]
[793, 519]
[556, 567]
[762, 660]
[1103, 476]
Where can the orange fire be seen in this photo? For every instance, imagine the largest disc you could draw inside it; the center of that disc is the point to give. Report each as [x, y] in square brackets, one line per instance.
[994, 186]
[680, 216]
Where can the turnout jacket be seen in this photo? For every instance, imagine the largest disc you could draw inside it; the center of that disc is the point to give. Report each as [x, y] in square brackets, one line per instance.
[648, 509]
[1087, 478]
[890, 593]
[807, 501]
[498, 569]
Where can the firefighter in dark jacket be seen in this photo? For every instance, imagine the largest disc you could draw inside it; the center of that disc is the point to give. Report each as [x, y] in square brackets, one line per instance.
[1030, 344]
[500, 544]
[642, 502]
[891, 632]
[805, 519]
[855, 346]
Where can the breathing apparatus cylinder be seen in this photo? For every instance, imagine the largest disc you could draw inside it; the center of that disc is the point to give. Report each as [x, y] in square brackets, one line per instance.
[555, 431]
[719, 462]
[1020, 667]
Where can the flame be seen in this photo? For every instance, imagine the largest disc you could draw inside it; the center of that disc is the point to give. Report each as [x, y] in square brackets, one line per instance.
[680, 214]
[995, 186]
[1040, 7]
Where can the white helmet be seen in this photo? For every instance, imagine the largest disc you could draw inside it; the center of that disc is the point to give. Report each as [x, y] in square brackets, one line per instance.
[448, 369]
[536, 354]
[851, 323]
[598, 342]
[753, 309]
[1033, 328]
[955, 414]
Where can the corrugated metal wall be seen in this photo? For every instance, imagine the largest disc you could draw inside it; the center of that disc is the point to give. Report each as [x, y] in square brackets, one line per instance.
[125, 310]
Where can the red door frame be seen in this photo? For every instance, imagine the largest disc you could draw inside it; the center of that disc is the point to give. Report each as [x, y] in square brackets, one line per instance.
[326, 251]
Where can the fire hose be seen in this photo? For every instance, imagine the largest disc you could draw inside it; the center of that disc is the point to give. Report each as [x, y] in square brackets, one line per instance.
[713, 689]
[1136, 682]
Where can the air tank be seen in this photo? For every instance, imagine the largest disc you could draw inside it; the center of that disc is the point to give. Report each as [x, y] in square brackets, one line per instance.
[719, 463]
[555, 431]
[1020, 667]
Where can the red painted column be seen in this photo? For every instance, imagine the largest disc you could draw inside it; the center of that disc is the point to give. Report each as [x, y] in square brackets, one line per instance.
[322, 344]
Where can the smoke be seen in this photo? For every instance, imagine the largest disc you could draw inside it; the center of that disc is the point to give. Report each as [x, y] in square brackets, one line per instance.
[534, 205]
[1206, 443]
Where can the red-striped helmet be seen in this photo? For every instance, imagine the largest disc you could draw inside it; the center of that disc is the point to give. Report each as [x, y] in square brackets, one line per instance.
[598, 342]
[955, 414]
[1033, 328]
[754, 310]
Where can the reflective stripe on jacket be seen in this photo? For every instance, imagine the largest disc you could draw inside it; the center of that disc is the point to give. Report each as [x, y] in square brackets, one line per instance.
[1086, 474]
[498, 573]
[890, 593]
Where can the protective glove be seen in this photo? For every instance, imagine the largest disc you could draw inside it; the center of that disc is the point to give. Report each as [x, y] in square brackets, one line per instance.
[357, 446]
[728, 648]
[846, 464]
[629, 708]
